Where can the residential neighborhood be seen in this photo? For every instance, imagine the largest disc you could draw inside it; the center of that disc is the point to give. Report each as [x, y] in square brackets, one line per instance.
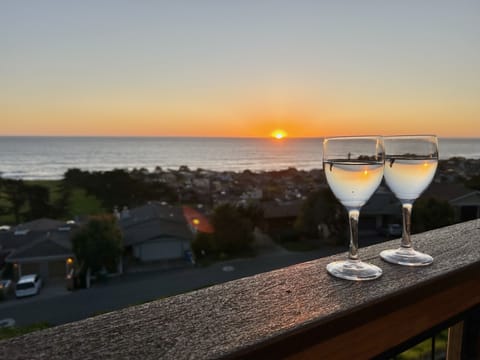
[159, 235]
[42, 246]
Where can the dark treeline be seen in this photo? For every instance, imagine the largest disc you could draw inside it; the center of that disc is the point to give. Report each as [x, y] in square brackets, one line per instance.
[28, 202]
[25, 201]
[118, 187]
[234, 232]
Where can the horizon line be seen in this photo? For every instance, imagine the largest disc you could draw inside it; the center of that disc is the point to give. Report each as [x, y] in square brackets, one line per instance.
[202, 137]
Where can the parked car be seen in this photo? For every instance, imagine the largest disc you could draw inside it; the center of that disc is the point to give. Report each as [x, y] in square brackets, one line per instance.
[28, 285]
[391, 230]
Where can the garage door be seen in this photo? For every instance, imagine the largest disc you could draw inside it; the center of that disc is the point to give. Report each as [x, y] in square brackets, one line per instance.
[166, 249]
[57, 269]
[30, 268]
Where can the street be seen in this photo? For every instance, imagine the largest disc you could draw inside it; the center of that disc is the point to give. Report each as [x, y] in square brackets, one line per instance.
[58, 306]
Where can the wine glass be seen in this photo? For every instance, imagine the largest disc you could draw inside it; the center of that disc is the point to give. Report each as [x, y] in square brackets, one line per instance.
[410, 164]
[354, 168]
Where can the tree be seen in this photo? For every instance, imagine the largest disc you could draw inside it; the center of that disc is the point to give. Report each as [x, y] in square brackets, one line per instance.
[321, 208]
[75, 178]
[429, 213]
[252, 212]
[98, 244]
[61, 206]
[474, 182]
[203, 245]
[39, 202]
[14, 193]
[156, 191]
[233, 232]
[118, 187]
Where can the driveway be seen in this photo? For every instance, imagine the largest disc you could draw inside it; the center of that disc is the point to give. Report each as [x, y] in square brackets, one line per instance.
[50, 289]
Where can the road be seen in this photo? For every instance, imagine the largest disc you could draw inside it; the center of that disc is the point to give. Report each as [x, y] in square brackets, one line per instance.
[58, 306]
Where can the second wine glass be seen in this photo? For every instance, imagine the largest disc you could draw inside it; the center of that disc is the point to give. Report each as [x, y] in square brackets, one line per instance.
[410, 164]
[354, 168]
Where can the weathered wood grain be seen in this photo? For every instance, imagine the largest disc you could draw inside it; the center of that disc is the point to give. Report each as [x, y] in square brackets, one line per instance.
[454, 346]
[295, 311]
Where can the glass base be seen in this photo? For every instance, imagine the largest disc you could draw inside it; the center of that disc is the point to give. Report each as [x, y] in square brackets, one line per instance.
[354, 270]
[406, 257]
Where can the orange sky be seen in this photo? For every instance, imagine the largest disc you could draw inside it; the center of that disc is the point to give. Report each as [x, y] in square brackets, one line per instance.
[239, 69]
[130, 119]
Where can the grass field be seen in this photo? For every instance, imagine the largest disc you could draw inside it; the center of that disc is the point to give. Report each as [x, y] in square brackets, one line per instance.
[6, 333]
[83, 204]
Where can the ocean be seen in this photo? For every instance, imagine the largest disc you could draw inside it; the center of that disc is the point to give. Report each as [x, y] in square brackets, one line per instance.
[49, 157]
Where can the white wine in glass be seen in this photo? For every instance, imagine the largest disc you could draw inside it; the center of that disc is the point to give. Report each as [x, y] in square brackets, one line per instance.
[354, 168]
[410, 165]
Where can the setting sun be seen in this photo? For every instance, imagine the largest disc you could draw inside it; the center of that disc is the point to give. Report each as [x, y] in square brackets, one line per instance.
[279, 134]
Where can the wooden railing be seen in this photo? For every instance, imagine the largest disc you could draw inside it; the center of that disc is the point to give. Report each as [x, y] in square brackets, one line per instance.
[294, 312]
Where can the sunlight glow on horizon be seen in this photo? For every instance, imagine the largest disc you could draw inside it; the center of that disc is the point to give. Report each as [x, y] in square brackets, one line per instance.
[279, 134]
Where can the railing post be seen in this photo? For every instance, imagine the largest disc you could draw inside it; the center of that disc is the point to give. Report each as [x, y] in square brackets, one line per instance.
[471, 336]
[454, 343]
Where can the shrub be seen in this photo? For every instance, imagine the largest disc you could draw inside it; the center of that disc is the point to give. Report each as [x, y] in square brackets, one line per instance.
[233, 232]
[203, 245]
[429, 213]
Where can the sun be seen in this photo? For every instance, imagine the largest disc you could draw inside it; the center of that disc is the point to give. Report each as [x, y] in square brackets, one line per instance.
[279, 134]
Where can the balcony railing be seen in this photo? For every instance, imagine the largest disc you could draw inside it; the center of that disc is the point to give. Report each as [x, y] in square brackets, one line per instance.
[297, 312]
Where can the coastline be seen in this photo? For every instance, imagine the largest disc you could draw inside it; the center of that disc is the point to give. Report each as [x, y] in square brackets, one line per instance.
[82, 191]
[48, 158]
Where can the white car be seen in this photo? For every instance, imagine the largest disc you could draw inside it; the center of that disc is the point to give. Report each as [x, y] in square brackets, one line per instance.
[28, 285]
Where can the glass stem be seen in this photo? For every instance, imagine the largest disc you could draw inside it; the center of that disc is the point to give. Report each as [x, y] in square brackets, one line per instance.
[407, 215]
[353, 220]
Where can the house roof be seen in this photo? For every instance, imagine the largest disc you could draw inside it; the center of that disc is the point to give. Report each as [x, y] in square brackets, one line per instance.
[273, 210]
[50, 244]
[152, 210]
[446, 192]
[155, 221]
[470, 199]
[9, 241]
[382, 202]
[43, 224]
[26, 233]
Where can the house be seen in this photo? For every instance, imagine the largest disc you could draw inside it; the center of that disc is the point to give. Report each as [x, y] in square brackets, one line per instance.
[201, 184]
[156, 231]
[467, 206]
[48, 255]
[465, 201]
[381, 209]
[254, 193]
[41, 246]
[280, 215]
